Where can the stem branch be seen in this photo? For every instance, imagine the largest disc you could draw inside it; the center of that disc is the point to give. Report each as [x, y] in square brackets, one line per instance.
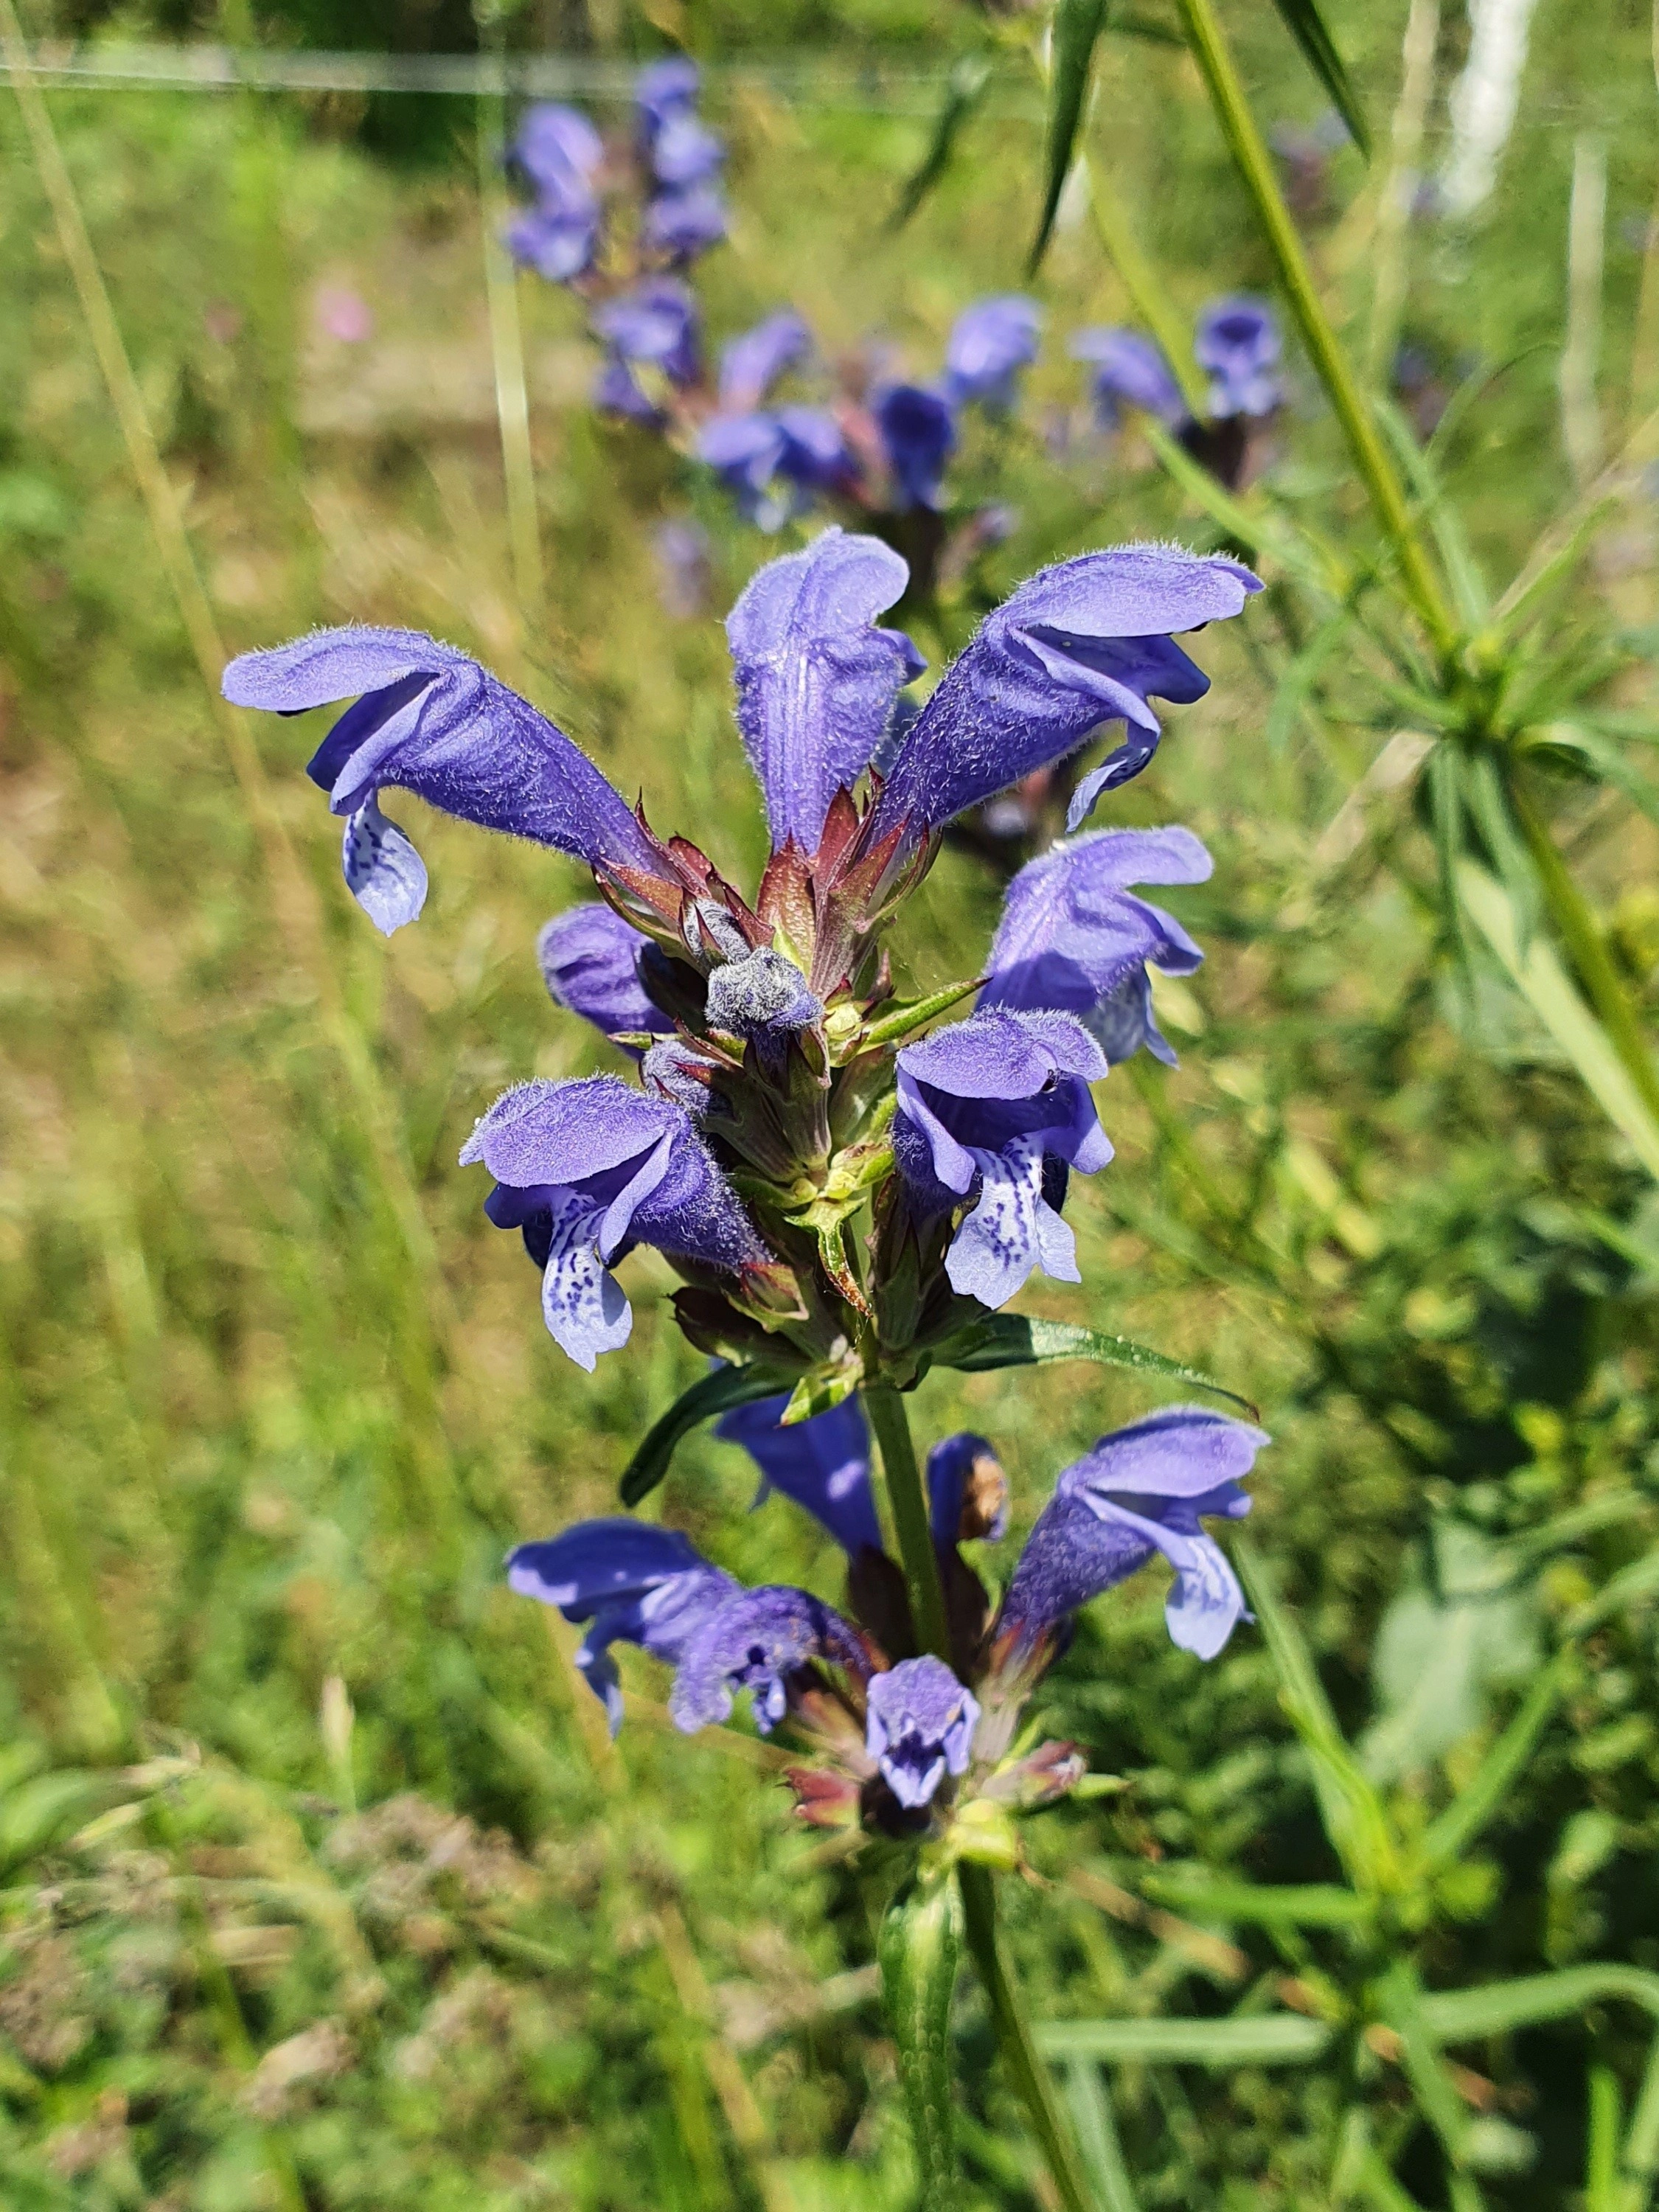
[1254, 165]
[1020, 2055]
[908, 1497]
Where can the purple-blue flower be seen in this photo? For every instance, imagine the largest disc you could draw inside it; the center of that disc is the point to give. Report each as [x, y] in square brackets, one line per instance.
[590, 962]
[430, 720]
[967, 1492]
[999, 1105]
[1073, 935]
[634, 1582]
[989, 345]
[664, 90]
[816, 679]
[919, 1727]
[653, 326]
[1129, 370]
[759, 1640]
[918, 436]
[584, 1169]
[561, 153]
[1237, 344]
[557, 147]
[823, 1464]
[1085, 642]
[751, 363]
[1141, 1490]
[680, 225]
[685, 151]
[557, 240]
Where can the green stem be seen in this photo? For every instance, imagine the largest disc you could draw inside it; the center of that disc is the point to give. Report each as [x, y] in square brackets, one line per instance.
[1020, 2055]
[1254, 165]
[1582, 938]
[908, 1499]
[1146, 294]
[507, 353]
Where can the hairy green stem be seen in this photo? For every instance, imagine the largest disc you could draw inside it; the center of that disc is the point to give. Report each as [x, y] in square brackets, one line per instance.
[1582, 938]
[1254, 165]
[1026, 2067]
[906, 1497]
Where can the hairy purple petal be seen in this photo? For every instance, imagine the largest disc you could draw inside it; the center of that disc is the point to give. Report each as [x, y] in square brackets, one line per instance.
[823, 1464]
[634, 1582]
[383, 872]
[815, 680]
[1142, 1490]
[989, 345]
[1130, 371]
[752, 363]
[430, 720]
[1237, 343]
[583, 1168]
[918, 435]
[920, 1728]
[1073, 936]
[1083, 643]
[994, 1100]
[756, 1640]
[590, 962]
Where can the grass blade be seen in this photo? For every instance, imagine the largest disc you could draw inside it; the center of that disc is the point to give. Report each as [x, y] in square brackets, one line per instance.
[964, 90]
[1498, 1772]
[1274, 2039]
[1078, 26]
[1302, 19]
[1096, 2135]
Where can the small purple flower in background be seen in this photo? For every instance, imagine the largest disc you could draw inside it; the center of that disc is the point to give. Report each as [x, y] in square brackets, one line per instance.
[1129, 370]
[920, 1728]
[681, 225]
[751, 363]
[988, 346]
[684, 567]
[560, 154]
[967, 1492]
[685, 215]
[655, 327]
[664, 90]
[341, 314]
[996, 1109]
[589, 957]
[1142, 1490]
[1085, 642]
[918, 432]
[584, 1169]
[430, 720]
[1237, 344]
[1074, 937]
[634, 1582]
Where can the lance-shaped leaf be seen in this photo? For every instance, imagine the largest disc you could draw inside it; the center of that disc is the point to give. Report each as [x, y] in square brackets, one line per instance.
[1018, 1341]
[964, 90]
[1302, 19]
[1078, 24]
[919, 1947]
[716, 1394]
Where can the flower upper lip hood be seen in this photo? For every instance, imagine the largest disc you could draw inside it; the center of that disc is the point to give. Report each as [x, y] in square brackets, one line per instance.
[815, 681]
[429, 719]
[989, 343]
[1084, 642]
[1130, 370]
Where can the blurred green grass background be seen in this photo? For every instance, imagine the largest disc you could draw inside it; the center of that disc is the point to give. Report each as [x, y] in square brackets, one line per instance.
[276, 1399]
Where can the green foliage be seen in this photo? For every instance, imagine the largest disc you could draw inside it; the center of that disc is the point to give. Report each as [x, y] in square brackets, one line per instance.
[262, 1457]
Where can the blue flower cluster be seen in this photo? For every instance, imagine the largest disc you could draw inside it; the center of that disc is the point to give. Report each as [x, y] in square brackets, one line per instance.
[781, 1097]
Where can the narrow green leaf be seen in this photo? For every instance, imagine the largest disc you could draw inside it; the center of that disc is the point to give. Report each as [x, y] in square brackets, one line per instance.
[1488, 804]
[1245, 521]
[818, 1392]
[1078, 24]
[715, 1394]
[1502, 1768]
[1273, 2038]
[1350, 1808]
[964, 90]
[1097, 2143]
[1602, 2190]
[1302, 19]
[1500, 2007]
[901, 1022]
[919, 1947]
[1462, 570]
[1016, 1340]
[1553, 997]
[1400, 1997]
[1292, 1905]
